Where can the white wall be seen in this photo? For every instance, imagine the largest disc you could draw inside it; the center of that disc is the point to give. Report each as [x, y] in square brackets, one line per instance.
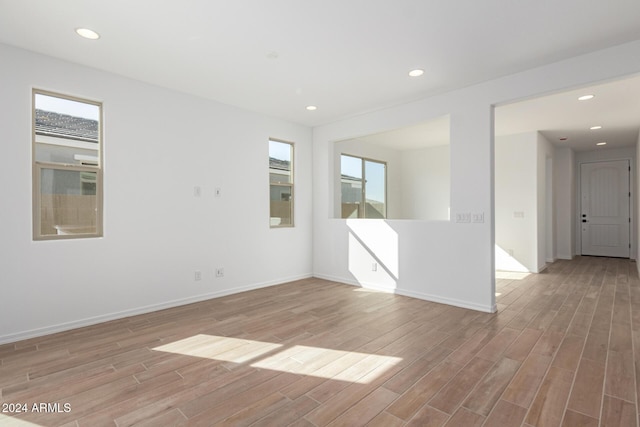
[602, 155]
[516, 202]
[422, 248]
[445, 261]
[546, 209]
[158, 145]
[524, 208]
[426, 184]
[565, 202]
[637, 207]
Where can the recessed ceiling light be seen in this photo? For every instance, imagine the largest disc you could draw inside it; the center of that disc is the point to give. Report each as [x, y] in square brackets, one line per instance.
[416, 73]
[601, 143]
[311, 107]
[586, 97]
[87, 33]
[595, 127]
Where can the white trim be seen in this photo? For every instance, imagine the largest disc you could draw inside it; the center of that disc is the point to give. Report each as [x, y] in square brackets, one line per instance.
[62, 327]
[412, 294]
[449, 301]
[66, 142]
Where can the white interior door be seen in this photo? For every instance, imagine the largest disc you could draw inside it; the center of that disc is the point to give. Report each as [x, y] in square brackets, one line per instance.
[605, 215]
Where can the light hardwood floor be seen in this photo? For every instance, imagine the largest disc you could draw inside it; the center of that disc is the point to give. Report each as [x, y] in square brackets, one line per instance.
[563, 350]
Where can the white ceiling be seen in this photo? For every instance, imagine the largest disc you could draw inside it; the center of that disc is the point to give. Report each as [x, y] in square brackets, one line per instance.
[427, 134]
[615, 107]
[347, 57]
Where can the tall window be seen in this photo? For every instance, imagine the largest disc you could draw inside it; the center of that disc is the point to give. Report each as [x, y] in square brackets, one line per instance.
[281, 183]
[67, 167]
[363, 183]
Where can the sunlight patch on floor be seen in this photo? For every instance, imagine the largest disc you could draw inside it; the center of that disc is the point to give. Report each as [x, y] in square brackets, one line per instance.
[6, 421]
[320, 362]
[219, 348]
[511, 275]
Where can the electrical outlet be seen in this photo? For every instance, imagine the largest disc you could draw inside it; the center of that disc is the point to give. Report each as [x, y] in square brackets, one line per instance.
[463, 217]
[197, 191]
[217, 192]
[220, 272]
[197, 275]
[374, 266]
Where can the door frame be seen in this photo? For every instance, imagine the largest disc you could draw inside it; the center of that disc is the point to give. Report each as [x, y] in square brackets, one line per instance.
[632, 201]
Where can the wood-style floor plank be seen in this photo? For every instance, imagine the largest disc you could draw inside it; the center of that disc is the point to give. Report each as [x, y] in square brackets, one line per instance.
[491, 387]
[505, 414]
[563, 350]
[550, 402]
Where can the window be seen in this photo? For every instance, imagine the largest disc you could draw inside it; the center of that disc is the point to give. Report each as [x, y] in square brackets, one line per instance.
[281, 183]
[363, 185]
[67, 167]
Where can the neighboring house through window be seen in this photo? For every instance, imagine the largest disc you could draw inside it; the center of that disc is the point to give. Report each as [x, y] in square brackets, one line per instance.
[363, 185]
[67, 167]
[280, 183]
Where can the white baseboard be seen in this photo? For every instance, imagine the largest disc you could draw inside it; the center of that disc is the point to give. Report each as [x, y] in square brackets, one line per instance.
[62, 327]
[449, 301]
[413, 294]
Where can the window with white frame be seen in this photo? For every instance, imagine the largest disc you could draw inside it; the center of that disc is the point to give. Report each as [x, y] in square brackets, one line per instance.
[363, 184]
[67, 166]
[280, 183]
